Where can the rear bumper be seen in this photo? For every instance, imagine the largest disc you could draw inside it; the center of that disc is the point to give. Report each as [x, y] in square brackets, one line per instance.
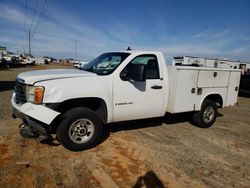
[38, 112]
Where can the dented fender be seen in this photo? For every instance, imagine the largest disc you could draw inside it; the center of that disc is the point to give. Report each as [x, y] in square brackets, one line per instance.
[38, 112]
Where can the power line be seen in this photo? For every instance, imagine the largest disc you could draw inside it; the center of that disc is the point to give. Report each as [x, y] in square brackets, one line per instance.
[29, 44]
[75, 49]
[35, 11]
[24, 25]
[42, 14]
[27, 27]
[45, 34]
[25, 16]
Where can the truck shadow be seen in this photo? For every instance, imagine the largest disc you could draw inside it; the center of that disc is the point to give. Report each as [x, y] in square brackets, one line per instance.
[168, 119]
[245, 95]
[7, 85]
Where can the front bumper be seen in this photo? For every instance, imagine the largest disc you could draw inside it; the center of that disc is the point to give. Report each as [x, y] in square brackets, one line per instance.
[38, 112]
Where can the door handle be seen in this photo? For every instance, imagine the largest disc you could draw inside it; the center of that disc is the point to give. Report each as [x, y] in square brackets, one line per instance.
[156, 87]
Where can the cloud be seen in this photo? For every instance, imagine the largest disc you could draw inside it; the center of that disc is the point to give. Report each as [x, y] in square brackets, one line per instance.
[221, 33]
[65, 28]
[241, 50]
[10, 13]
[56, 34]
[58, 31]
[188, 48]
[209, 33]
[202, 34]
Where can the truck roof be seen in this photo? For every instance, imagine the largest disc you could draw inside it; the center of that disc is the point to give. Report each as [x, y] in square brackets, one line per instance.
[218, 59]
[138, 51]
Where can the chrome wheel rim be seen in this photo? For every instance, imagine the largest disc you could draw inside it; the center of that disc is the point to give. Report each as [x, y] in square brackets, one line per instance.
[81, 131]
[208, 114]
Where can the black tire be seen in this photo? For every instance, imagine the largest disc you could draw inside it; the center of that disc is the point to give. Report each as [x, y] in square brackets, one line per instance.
[207, 115]
[79, 124]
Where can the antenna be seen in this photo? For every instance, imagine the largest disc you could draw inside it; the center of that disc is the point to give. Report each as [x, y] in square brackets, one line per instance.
[128, 49]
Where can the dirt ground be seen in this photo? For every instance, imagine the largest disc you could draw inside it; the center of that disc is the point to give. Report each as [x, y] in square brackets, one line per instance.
[162, 152]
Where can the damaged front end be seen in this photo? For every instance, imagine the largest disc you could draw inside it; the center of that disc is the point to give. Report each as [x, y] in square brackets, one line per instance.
[36, 117]
[31, 128]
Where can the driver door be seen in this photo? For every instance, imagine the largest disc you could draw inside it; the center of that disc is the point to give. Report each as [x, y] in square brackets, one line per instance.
[139, 99]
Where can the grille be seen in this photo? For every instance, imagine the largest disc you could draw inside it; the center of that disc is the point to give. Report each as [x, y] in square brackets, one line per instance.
[20, 92]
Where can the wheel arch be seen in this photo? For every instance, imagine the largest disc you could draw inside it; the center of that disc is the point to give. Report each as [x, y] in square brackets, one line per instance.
[98, 105]
[217, 98]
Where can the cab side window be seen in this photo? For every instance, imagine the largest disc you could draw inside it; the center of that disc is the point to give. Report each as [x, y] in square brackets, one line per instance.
[150, 61]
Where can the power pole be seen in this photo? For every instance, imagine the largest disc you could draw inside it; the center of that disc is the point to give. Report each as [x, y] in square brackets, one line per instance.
[29, 44]
[75, 49]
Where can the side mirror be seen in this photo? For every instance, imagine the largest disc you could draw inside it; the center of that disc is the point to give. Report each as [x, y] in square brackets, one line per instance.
[136, 72]
[124, 75]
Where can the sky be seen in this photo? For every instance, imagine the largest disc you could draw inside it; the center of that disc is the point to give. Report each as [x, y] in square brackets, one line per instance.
[84, 29]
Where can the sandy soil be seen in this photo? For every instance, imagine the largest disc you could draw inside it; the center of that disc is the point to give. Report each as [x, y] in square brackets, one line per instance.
[162, 152]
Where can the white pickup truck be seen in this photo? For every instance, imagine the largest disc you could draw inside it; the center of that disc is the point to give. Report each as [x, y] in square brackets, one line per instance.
[117, 86]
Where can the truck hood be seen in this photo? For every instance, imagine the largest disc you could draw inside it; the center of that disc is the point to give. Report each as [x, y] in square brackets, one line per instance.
[32, 77]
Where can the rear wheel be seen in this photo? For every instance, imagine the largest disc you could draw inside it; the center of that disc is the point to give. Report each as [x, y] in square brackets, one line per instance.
[207, 115]
[80, 129]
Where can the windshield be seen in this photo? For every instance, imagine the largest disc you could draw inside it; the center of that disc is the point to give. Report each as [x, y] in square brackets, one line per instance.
[106, 63]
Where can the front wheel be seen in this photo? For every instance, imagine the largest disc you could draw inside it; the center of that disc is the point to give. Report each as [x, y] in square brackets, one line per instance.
[80, 129]
[207, 115]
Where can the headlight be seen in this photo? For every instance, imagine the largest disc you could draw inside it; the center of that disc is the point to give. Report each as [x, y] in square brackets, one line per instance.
[34, 94]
